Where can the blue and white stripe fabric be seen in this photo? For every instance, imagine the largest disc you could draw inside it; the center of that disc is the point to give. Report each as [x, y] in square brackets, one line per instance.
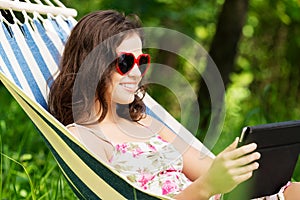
[27, 51]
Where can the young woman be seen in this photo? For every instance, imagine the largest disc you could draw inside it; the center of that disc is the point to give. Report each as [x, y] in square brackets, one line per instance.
[108, 115]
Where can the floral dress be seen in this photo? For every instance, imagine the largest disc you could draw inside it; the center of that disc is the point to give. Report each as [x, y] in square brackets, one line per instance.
[154, 166]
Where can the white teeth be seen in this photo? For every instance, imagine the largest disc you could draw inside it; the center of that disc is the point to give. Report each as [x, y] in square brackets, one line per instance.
[130, 86]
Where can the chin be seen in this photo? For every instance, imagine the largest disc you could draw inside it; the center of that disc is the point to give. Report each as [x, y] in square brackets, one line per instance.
[124, 101]
[122, 96]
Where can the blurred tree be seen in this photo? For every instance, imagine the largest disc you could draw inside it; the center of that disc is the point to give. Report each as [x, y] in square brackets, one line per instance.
[272, 53]
[265, 81]
[223, 48]
[223, 51]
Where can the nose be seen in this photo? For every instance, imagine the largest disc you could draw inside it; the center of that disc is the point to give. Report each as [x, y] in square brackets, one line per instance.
[135, 72]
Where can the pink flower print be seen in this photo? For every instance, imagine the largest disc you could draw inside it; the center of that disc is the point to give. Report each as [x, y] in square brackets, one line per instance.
[151, 147]
[168, 187]
[145, 179]
[136, 152]
[161, 138]
[122, 147]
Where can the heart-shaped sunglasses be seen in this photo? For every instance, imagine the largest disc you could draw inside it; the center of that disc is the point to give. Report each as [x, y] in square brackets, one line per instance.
[126, 62]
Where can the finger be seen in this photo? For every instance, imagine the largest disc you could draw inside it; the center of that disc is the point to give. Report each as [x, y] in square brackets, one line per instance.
[246, 149]
[245, 169]
[241, 178]
[245, 160]
[232, 146]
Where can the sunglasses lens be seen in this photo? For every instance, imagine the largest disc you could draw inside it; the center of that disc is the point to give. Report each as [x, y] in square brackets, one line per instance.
[125, 63]
[144, 61]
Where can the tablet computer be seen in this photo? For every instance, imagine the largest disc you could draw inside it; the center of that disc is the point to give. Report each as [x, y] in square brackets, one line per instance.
[279, 145]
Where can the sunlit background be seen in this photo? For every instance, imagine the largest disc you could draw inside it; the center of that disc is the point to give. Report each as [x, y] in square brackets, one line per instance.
[255, 44]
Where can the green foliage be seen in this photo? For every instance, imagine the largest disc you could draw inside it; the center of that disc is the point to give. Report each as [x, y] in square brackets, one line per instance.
[27, 169]
[267, 62]
[265, 84]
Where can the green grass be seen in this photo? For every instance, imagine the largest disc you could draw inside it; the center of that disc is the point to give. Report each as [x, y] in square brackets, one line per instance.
[27, 168]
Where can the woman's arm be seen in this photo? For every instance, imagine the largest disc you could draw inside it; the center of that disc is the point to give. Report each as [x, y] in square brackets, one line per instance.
[213, 176]
[230, 168]
[195, 163]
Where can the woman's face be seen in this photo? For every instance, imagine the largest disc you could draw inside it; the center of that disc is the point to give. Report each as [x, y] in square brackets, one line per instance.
[124, 86]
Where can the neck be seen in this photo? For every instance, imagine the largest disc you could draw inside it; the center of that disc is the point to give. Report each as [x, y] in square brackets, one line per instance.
[111, 115]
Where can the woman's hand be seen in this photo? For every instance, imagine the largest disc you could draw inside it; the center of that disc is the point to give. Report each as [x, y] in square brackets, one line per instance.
[231, 167]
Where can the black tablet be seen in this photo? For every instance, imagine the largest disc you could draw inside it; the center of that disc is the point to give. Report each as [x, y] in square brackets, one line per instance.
[279, 145]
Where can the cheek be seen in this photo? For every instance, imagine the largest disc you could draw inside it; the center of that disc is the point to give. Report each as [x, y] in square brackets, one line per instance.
[111, 85]
[121, 96]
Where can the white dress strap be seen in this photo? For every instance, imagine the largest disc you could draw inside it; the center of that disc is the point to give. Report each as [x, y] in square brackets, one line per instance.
[82, 130]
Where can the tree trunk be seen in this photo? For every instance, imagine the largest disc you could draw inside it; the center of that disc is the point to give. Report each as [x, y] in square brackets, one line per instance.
[223, 51]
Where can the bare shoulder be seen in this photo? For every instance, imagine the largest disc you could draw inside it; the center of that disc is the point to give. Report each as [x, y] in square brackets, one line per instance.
[94, 142]
[149, 121]
[74, 130]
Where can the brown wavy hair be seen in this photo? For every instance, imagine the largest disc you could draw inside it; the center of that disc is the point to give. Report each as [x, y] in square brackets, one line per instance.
[86, 68]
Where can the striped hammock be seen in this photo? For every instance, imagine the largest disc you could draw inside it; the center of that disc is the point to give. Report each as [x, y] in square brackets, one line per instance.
[30, 52]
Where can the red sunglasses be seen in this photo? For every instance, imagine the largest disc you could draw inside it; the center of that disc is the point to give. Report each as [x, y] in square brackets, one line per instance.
[126, 62]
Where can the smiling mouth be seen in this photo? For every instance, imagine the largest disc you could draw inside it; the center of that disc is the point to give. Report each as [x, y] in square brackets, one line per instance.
[129, 86]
